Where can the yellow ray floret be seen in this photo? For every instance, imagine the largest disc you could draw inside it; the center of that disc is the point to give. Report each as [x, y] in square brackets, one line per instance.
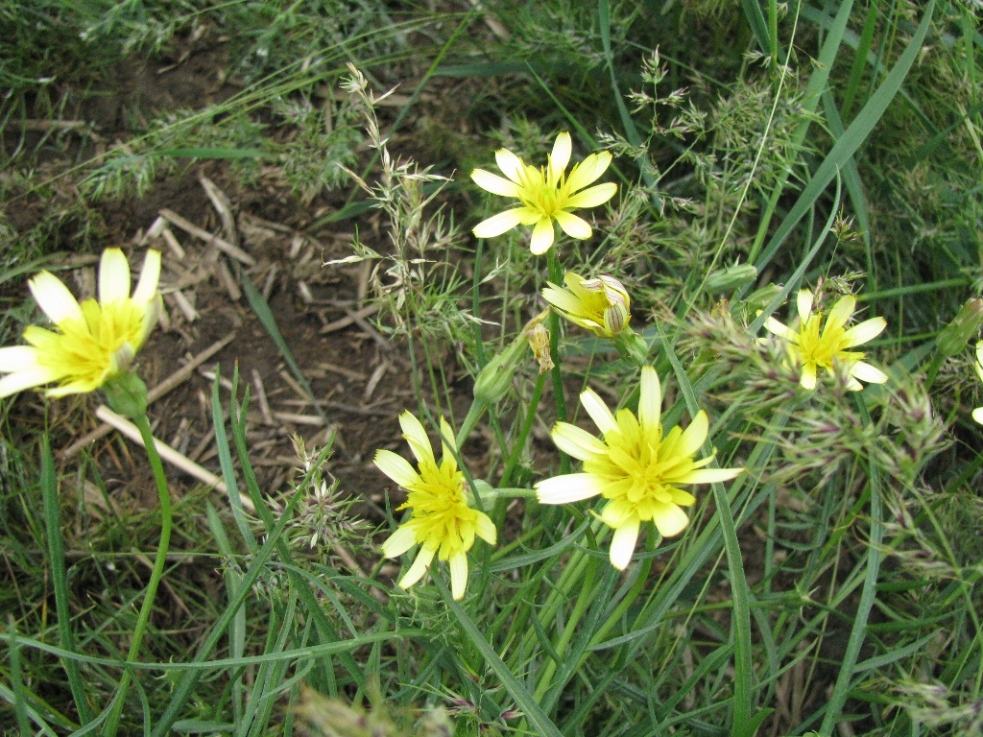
[635, 465]
[90, 342]
[812, 346]
[441, 521]
[545, 193]
[601, 305]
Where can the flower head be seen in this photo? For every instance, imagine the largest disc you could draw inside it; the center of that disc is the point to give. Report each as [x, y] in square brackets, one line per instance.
[635, 465]
[601, 305]
[812, 349]
[978, 412]
[441, 522]
[545, 193]
[91, 342]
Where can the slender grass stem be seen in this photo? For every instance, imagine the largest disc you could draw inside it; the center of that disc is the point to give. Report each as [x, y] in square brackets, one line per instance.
[164, 499]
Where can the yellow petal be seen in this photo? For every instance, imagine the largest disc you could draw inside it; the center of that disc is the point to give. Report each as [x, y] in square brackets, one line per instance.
[598, 411]
[495, 184]
[459, 575]
[560, 156]
[114, 276]
[542, 237]
[592, 197]
[497, 224]
[650, 400]
[804, 304]
[146, 290]
[865, 372]
[399, 542]
[485, 529]
[396, 467]
[670, 520]
[572, 225]
[694, 436]
[510, 164]
[865, 331]
[576, 442]
[623, 544]
[416, 436]
[54, 299]
[419, 567]
[569, 488]
[588, 170]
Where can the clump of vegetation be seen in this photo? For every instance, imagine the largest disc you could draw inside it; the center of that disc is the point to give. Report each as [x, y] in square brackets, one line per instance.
[668, 350]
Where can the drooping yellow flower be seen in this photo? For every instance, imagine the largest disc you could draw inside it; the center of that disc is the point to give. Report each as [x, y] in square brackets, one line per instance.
[545, 193]
[812, 349]
[635, 465]
[978, 412]
[441, 522]
[91, 342]
[601, 305]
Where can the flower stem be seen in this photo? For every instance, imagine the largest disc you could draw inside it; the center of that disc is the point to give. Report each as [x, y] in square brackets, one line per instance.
[556, 276]
[164, 497]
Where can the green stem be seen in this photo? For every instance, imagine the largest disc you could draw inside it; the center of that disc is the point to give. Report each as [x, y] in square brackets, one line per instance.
[556, 276]
[164, 497]
[513, 459]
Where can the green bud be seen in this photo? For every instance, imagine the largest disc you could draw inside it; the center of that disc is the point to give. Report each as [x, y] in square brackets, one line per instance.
[731, 278]
[126, 395]
[964, 327]
[632, 346]
[495, 379]
[761, 298]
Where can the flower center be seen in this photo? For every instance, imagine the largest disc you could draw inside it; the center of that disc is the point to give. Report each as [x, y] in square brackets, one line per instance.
[640, 468]
[441, 517]
[822, 349]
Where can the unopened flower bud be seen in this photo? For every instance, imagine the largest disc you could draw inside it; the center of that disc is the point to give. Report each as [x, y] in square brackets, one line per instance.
[539, 341]
[964, 327]
[731, 278]
[601, 305]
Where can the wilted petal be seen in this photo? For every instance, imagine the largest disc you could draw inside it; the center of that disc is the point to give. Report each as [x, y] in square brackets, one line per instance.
[572, 225]
[623, 544]
[114, 276]
[495, 184]
[54, 299]
[498, 224]
[569, 488]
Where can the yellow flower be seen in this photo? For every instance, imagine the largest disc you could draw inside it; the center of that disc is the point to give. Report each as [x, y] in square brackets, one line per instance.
[811, 349]
[635, 466]
[441, 522]
[978, 412]
[601, 305]
[546, 193]
[92, 342]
